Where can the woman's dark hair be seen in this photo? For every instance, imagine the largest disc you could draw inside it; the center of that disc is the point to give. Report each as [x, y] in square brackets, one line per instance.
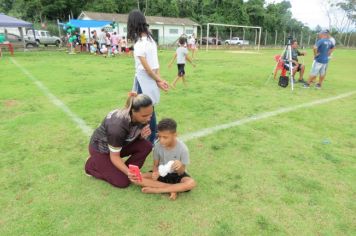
[167, 124]
[136, 25]
[136, 102]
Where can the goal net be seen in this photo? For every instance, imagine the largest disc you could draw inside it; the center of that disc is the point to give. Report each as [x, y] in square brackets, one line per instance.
[225, 36]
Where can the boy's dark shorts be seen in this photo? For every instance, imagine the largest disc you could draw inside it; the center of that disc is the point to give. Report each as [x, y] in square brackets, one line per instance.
[181, 70]
[172, 178]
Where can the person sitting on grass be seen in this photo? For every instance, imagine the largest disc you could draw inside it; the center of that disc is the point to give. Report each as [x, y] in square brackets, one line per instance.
[297, 67]
[182, 55]
[169, 150]
[122, 133]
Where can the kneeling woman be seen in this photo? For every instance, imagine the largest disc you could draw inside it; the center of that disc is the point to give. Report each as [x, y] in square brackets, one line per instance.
[122, 133]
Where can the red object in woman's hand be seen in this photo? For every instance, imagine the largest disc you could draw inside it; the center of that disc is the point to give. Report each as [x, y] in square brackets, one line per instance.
[134, 169]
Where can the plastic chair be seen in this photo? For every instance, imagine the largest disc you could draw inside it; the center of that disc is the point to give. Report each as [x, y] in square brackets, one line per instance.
[279, 66]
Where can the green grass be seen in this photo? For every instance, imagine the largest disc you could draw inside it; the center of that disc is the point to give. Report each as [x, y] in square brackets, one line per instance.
[292, 174]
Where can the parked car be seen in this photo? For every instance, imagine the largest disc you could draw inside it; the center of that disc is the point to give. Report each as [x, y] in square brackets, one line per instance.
[210, 40]
[44, 37]
[236, 41]
[16, 41]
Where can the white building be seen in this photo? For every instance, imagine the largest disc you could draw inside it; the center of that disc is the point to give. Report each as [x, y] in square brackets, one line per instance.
[165, 30]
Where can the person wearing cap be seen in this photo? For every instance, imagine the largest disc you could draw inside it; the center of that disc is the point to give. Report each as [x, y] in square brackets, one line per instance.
[322, 50]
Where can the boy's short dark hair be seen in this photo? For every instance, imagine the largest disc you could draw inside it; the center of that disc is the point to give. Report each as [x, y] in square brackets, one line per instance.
[181, 41]
[167, 124]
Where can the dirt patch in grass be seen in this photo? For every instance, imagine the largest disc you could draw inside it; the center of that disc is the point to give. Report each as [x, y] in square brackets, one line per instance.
[10, 103]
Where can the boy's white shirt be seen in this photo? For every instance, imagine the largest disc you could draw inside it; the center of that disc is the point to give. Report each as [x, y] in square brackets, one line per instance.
[181, 52]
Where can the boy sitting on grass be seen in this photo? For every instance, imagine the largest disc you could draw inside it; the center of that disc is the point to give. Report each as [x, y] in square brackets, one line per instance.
[172, 153]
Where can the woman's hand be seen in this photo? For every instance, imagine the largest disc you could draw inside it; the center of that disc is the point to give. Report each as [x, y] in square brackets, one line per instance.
[155, 175]
[132, 177]
[162, 84]
[146, 131]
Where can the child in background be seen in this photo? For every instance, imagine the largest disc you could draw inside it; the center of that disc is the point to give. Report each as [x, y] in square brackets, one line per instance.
[123, 44]
[101, 39]
[170, 149]
[76, 42]
[181, 55]
[108, 44]
[83, 41]
[93, 47]
[192, 45]
[114, 41]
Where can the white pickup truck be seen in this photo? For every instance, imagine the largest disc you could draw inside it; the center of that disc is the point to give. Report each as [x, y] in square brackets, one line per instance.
[236, 41]
[44, 37]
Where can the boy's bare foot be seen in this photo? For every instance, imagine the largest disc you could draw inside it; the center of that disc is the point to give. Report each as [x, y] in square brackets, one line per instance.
[173, 196]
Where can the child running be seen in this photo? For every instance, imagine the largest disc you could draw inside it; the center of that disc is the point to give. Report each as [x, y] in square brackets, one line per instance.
[169, 150]
[181, 55]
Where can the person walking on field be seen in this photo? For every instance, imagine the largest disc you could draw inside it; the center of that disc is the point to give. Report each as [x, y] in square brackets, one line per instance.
[322, 50]
[182, 55]
[147, 77]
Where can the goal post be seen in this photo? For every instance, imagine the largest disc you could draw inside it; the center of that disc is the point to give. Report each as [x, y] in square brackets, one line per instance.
[257, 39]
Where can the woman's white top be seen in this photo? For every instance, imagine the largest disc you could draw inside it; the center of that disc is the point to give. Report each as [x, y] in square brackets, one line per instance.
[146, 47]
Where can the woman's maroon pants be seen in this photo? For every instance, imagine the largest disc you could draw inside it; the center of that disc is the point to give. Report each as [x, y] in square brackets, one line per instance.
[100, 166]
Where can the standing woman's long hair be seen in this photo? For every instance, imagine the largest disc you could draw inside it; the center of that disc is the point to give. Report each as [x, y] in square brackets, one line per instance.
[136, 25]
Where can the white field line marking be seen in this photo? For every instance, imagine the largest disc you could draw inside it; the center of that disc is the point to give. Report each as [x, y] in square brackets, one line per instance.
[208, 131]
[186, 137]
[56, 101]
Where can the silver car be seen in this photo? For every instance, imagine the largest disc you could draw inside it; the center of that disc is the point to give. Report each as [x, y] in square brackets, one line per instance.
[16, 41]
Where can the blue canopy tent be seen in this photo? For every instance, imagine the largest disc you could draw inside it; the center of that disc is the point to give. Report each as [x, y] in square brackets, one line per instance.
[88, 23]
[8, 21]
[12, 22]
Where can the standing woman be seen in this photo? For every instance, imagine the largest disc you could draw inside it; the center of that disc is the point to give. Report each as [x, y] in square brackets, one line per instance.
[122, 133]
[147, 77]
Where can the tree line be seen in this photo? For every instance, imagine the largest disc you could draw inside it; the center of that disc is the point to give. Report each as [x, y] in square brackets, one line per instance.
[272, 17]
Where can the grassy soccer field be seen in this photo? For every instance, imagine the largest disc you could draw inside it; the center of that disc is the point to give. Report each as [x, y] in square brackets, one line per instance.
[289, 174]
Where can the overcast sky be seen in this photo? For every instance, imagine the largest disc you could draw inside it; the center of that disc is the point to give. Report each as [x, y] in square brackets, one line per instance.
[310, 12]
